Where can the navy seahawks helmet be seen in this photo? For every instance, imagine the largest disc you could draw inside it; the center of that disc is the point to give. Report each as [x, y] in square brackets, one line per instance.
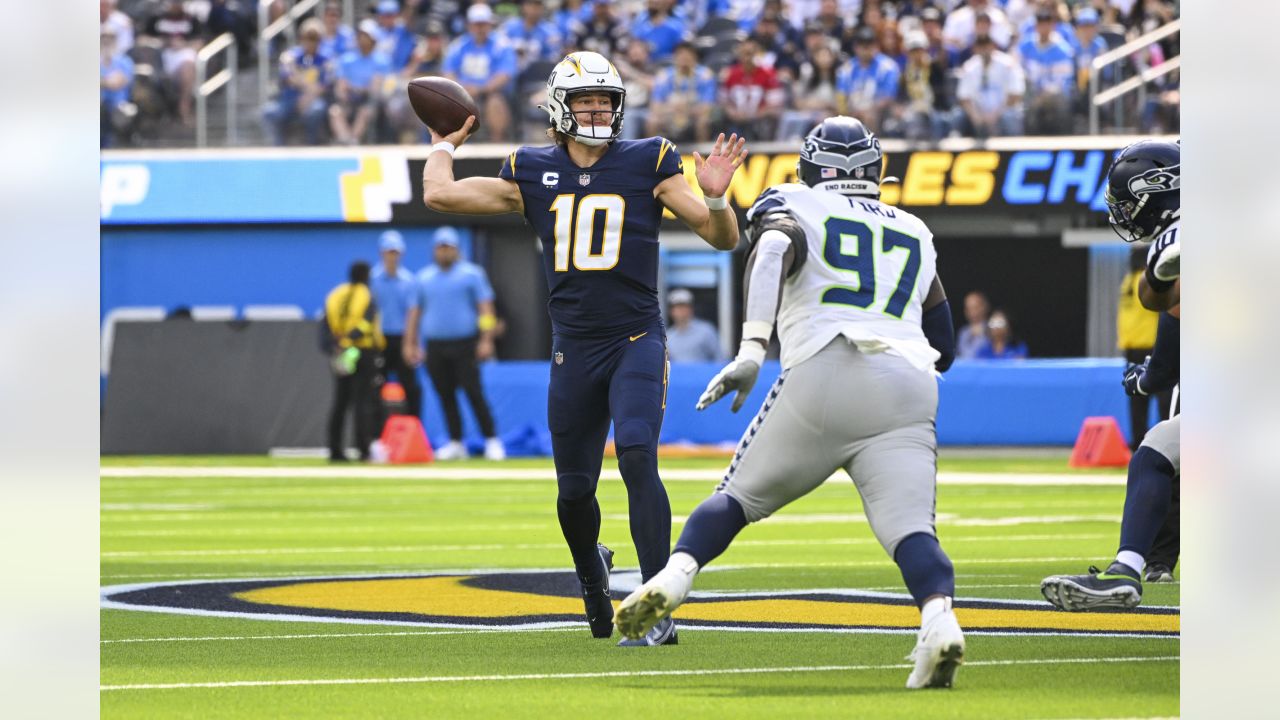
[1143, 188]
[841, 155]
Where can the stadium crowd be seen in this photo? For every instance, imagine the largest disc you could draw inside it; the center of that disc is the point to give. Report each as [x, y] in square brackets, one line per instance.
[769, 69]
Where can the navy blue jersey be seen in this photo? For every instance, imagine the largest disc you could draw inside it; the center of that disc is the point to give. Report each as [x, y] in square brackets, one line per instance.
[599, 232]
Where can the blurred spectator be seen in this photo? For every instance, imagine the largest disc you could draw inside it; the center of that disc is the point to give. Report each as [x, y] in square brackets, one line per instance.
[1049, 64]
[868, 83]
[570, 19]
[532, 35]
[801, 12]
[832, 23]
[751, 95]
[781, 50]
[972, 338]
[924, 104]
[1135, 338]
[659, 27]
[1004, 344]
[360, 87]
[960, 31]
[180, 32]
[815, 94]
[990, 91]
[395, 41]
[1087, 46]
[122, 25]
[448, 14]
[601, 32]
[485, 65]
[931, 25]
[891, 42]
[1061, 20]
[234, 17]
[638, 73]
[306, 81]
[689, 339]
[115, 73]
[684, 96]
[338, 39]
[395, 289]
[458, 323]
[427, 59]
[351, 333]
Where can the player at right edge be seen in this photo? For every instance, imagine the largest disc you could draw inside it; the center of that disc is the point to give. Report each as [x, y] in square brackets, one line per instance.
[864, 326]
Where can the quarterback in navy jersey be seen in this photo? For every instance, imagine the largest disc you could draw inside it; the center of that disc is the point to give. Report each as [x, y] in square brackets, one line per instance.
[596, 203]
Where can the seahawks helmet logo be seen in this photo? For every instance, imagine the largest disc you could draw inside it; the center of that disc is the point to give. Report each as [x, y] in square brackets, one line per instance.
[1156, 180]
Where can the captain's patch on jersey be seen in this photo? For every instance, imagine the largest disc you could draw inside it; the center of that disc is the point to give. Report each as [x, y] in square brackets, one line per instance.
[518, 600]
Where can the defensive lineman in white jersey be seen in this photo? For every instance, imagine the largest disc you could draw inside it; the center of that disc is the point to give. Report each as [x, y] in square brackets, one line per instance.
[864, 327]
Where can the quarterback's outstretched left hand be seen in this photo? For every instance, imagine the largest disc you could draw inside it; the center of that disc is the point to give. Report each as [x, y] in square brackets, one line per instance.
[738, 375]
[716, 170]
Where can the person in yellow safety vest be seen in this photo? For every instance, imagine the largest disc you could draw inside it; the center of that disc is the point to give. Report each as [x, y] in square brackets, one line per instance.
[1135, 336]
[351, 333]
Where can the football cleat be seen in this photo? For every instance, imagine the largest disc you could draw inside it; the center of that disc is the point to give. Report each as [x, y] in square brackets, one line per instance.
[1158, 573]
[1118, 587]
[598, 601]
[939, 652]
[664, 633]
[651, 603]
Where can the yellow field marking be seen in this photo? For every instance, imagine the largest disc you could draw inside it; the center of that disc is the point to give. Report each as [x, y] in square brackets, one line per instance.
[450, 597]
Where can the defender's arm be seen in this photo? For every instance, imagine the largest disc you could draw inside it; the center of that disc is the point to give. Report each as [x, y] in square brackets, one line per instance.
[936, 323]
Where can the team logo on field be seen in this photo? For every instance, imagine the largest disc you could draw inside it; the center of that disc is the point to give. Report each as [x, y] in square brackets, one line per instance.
[559, 358]
[516, 600]
[584, 179]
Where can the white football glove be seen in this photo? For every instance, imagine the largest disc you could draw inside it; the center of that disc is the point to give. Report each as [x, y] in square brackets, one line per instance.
[1164, 258]
[739, 375]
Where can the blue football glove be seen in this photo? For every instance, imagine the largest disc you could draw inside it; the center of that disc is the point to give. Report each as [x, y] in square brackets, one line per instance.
[1133, 375]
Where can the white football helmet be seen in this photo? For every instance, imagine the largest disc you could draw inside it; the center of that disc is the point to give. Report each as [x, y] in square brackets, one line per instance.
[584, 72]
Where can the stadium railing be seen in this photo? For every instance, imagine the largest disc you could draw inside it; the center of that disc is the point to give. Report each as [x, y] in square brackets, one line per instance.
[206, 86]
[1137, 83]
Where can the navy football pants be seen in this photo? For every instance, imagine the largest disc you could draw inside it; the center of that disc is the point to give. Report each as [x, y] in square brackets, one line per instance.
[593, 382]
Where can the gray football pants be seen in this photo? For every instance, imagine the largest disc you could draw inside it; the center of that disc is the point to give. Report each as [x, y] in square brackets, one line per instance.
[1164, 438]
[871, 414]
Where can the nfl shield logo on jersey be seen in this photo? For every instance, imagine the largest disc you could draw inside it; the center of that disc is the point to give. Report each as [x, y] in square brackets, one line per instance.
[559, 358]
[584, 179]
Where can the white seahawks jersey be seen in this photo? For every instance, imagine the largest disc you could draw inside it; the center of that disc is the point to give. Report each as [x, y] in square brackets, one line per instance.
[1172, 235]
[868, 271]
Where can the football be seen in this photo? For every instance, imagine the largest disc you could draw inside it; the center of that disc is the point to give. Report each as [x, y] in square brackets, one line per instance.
[442, 104]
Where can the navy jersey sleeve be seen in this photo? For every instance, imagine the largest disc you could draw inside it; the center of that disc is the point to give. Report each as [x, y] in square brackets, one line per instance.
[770, 199]
[508, 169]
[668, 160]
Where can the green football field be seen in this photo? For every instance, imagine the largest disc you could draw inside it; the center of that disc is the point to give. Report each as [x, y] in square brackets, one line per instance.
[247, 587]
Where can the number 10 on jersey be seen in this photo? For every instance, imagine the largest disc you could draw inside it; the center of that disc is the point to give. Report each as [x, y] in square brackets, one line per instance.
[575, 228]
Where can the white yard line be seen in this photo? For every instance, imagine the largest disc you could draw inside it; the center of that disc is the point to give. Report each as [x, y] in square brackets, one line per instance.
[487, 547]
[612, 674]
[548, 475]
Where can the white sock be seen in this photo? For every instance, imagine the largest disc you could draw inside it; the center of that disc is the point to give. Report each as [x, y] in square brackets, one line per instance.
[933, 608]
[1131, 559]
[679, 574]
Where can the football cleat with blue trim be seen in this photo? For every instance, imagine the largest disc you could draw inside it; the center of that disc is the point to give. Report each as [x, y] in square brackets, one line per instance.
[1118, 587]
[664, 633]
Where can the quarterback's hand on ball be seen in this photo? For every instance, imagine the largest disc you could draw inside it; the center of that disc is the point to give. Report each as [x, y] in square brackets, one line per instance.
[738, 375]
[457, 137]
[1133, 378]
[1165, 257]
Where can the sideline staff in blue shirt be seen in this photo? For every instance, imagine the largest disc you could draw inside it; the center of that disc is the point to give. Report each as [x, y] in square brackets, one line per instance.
[396, 291]
[457, 321]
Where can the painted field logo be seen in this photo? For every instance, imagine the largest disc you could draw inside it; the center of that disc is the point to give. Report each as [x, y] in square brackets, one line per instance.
[516, 600]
